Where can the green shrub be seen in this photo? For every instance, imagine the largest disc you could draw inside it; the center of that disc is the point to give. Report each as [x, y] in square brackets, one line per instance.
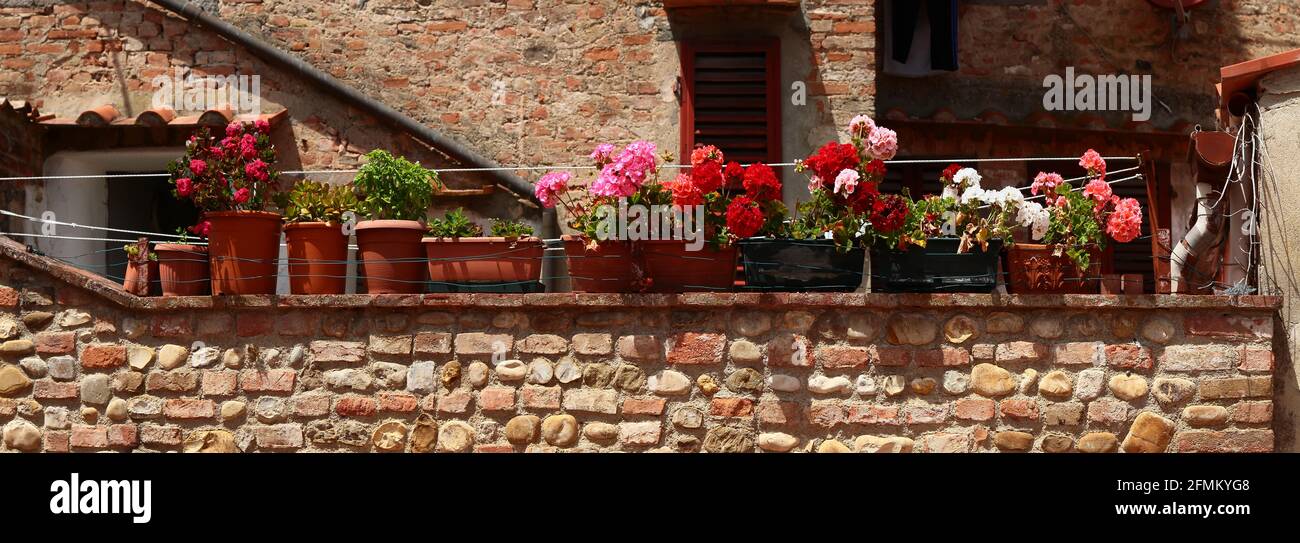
[504, 228]
[313, 201]
[394, 188]
[454, 225]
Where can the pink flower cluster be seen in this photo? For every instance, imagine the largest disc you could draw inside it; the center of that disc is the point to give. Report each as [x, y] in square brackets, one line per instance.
[623, 175]
[1094, 164]
[550, 186]
[1125, 223]
[1099, 191]
[883, 143]
[1046, 183]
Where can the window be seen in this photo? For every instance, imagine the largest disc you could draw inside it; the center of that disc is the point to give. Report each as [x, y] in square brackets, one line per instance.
[144, 204]
[731, 98]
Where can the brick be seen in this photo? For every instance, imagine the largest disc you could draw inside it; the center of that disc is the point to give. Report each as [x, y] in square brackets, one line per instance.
[591, 400]
[977, 409]
[1129, 357]
[153, 434]
[279, 436]
[123, 435]
[893, 356]
[1020, 351]
[1228, 326]
[168, 326]
[55, 343]
[1083, 353]
[773, 412]
[535, 397]
[310, 405]
[944, 356]
[1232, 388]
[355, 406]
[731, 407]
[945, 442]
[927, 414]
[397, 402]
[250, 324]
[1252, 412]
[644, 406]
[861, 413]
[1019, 409]
[543, 344]
[390, 345]
[639, 434]
[1216, 441]
[189, 409]
[56, 442]
[299, 324]
[1063, 414]
[843, 356]
[790, 350]
[219, 383]
[1193, 358]
[1256, 360]
[696, 348]
[347, 352]
[102, 356]
[88, 437]
[478, 343]
[171, 381]
[495, 398]
[432, 343]
[592, 344]
[639, 347]
[1108, 411]
[214, 324]
[825, 413]
[275, 380]
[50, 390]
[455, 402]
[9, 296]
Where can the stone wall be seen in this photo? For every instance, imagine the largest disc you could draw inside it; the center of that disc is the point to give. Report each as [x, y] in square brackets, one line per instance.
[710, 372]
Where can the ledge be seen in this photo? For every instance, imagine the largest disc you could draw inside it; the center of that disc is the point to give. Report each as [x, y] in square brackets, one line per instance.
[113, 292]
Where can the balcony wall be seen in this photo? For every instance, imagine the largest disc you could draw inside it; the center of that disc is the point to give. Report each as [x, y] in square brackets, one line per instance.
[87, 367]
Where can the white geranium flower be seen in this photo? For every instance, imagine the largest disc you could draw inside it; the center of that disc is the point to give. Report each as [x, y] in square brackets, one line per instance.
[950, 191]
[972, 194]
[1012, 195]
[1027, 213]
[967, 177]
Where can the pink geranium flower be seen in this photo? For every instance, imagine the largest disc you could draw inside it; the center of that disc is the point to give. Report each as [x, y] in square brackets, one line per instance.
[550, 186]
[883, 143]
[1125, 223]
[1093, 162]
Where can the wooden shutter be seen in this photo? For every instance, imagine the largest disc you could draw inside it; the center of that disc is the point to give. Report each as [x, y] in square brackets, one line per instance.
[731, 98]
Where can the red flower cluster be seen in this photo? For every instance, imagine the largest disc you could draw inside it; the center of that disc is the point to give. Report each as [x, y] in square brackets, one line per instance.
[875, 171]
[735, 173]
[235, 173]
[761, 182]
[888, 213]
[830, 160]
[950, 172]
[744, 217]
[863, 200]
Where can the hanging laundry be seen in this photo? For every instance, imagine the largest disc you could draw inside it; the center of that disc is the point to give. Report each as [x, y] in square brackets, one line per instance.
[939, 17]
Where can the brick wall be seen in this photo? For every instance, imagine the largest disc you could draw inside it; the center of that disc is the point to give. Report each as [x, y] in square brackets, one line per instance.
[711, 372]
[20, 155]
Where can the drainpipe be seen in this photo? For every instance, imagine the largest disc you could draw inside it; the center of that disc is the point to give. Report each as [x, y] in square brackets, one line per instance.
[344, 92]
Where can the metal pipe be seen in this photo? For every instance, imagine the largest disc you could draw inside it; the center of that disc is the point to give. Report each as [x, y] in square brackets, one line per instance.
[273, 55]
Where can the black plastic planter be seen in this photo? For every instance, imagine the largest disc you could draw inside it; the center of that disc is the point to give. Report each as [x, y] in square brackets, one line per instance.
[790, 264]
[937, 267]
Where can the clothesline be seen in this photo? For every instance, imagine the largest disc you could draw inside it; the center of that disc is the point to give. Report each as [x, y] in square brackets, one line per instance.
[549, 168]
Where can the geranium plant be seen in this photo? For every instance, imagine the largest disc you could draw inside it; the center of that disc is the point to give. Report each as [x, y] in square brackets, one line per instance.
[625, 175]
[1081, 221]
[966, 210]
[235, 173]
[454, 224]
[844, 178]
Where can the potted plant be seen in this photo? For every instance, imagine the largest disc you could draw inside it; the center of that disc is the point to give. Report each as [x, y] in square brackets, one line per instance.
[461, 258]
[1074, 226]
[596, 261]
[230, 180]
[950, 242]
[141, 269]
[394, 195]
[183, 266]
[315, 236]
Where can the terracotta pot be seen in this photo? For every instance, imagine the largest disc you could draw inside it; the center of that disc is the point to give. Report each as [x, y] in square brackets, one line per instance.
[243, 247]
[673, 268]
[484, 260]
[1035, 270]
[132, 279]
[607, 268]
[183, 269]
[392, 257]
[318, 255]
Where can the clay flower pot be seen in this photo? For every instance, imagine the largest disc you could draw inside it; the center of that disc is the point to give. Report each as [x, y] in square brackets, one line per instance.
[133, 278]
[1035, 270]
[318, 255]
[183, 269]
[673, 268]
[392, 257]
[609, 267]
[462, 261]
[243, 247]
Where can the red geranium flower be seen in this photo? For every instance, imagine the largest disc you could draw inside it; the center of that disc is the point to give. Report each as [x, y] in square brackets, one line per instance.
[707, 177]
[832, 158]
[744, 217]
[761, 183]
[734, 173]
[888, 213]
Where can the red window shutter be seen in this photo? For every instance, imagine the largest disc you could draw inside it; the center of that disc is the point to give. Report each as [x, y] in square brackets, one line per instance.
[731, 98]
